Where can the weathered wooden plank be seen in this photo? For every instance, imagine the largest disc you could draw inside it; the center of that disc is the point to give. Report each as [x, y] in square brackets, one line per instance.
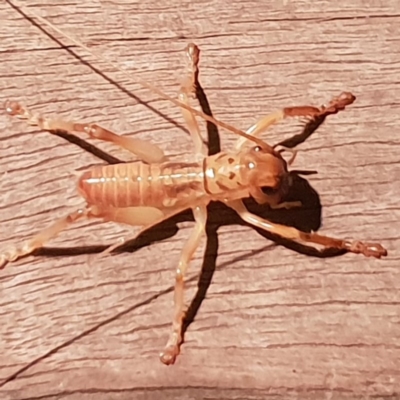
[275, 323]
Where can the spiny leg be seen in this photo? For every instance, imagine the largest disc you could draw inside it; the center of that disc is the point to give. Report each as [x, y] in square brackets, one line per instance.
[171, 349]
[187, 90]
[145, 150]
[309, 112]
[41, 238]
[367, 249]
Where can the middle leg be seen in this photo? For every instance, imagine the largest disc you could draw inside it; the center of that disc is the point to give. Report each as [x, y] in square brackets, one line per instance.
[171, 349]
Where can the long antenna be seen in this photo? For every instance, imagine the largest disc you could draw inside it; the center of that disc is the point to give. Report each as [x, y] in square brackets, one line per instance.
[141, 82]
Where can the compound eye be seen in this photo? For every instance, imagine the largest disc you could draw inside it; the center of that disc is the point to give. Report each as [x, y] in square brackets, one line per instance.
[257, 148]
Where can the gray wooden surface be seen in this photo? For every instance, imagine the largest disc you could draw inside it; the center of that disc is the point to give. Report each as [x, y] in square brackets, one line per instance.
[275, 323]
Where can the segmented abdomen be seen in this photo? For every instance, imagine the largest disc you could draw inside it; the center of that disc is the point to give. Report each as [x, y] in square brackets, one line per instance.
[138, 184]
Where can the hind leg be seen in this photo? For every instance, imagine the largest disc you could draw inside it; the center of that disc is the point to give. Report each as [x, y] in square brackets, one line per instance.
[145, 150]
[136, 216]
[40, 239]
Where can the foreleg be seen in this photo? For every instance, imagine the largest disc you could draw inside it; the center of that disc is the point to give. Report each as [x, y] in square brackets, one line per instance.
[358, 247]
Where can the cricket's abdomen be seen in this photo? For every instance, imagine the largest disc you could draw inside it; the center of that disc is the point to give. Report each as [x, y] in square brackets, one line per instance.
[139, 184]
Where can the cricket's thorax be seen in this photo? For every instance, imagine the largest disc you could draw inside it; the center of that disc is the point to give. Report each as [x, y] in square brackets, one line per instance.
[223, 176]
[138, 184]
[234, 176]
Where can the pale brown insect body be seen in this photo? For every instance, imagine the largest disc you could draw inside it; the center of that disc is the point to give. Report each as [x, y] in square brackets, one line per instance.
[168, 185]
[146, 192]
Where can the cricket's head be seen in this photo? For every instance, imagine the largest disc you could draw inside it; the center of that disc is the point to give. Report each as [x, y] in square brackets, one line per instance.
[265, 168]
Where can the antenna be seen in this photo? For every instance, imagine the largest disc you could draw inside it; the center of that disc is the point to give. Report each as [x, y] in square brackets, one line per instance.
[141, 82]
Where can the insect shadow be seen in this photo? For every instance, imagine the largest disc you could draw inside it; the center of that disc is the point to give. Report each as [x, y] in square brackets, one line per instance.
[306, 218]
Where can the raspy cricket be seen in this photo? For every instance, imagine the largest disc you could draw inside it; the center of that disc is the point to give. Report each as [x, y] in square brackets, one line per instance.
[146, 192]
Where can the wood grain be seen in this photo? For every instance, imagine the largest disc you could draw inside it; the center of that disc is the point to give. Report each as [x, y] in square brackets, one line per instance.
[274, 323]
